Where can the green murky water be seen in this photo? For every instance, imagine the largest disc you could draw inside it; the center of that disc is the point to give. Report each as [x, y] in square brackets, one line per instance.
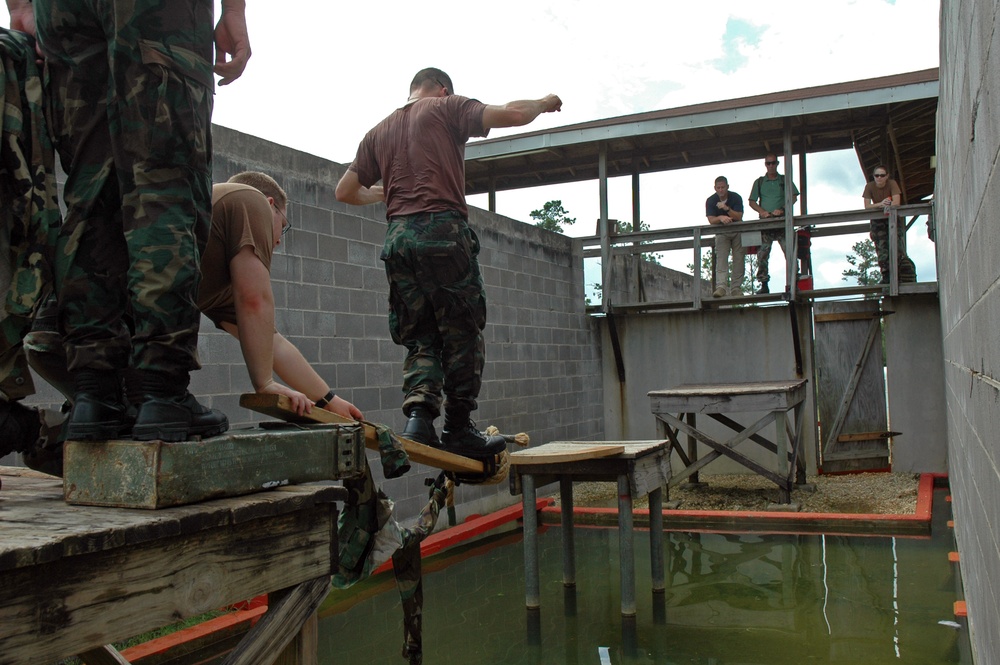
[731, 599]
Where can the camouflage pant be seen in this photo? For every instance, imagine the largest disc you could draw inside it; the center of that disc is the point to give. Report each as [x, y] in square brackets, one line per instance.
[764, 252]
[437, 308]
[880, 237]
[131, 103]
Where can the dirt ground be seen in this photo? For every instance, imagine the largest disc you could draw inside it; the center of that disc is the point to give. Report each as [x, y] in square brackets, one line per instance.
[869, 493]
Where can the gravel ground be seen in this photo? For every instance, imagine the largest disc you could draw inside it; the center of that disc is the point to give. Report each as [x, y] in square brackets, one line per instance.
[872, 493]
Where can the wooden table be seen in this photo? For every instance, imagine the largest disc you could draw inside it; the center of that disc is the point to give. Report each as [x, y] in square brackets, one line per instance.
[641, 468]
[775, 398]
[75, 578]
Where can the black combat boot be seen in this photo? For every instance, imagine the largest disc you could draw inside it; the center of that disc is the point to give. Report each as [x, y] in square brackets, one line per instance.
[420, 427]
[461, 437]
[170, 413]
[98, 406]
[19, 426]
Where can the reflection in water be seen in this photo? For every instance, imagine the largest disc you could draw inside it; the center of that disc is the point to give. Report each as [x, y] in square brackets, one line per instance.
[740, 599]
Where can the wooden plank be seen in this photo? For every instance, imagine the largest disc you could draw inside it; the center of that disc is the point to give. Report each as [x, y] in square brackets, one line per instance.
[70, 605]
[158, 474]
[106, 655]
[553, 453]
[39, 528]
[866, 436]
[728, 397]
[846, 316]
[279, 406]
[283, 621]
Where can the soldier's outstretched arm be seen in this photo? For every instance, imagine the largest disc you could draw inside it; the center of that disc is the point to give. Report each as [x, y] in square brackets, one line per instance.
[520, 112]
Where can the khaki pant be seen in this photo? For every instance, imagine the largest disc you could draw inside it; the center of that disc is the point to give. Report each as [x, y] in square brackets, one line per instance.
[724, 244]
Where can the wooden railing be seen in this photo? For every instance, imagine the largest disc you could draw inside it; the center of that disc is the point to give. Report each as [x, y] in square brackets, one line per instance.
[697, 238]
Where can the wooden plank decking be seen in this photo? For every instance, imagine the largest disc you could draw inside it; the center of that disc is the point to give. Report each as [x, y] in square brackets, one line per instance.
[73, 578]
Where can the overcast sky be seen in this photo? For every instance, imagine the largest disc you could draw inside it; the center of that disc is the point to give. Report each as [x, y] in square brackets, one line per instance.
[323, 73]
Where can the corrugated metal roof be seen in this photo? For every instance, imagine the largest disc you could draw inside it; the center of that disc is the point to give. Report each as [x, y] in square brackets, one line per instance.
[889, 119]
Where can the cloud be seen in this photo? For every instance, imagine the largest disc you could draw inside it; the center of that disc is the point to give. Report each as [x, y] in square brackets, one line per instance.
[739, 37]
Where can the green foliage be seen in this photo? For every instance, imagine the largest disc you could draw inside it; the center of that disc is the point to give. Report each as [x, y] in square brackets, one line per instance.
[864, 264]
[552, 216]
[624, 228]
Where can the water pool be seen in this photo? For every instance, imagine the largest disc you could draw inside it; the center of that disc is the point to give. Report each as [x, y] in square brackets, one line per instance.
[731, 599]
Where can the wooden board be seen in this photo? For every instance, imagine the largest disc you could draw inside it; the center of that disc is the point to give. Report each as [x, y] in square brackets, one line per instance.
[279, 406]
[554, 453]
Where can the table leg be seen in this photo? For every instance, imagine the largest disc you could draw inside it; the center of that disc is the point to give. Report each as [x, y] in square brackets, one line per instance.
[692, 442]
[626, 547]
[531, 593]
[781, 441]
[656, 539]
[569, 549]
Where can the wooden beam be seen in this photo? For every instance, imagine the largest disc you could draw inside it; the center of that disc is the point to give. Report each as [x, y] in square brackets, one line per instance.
[279, 406]
[106, 655]
[284, 619]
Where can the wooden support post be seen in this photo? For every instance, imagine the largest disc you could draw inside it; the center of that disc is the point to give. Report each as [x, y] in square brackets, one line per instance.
[281, 626]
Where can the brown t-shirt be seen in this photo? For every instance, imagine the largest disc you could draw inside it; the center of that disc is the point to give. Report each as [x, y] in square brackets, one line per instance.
[241, 216]
[874, 194]
[418, 152]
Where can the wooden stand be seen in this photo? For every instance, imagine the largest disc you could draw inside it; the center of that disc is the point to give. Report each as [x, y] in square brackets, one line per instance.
[638, 467]
[74, 578]
[775, 398]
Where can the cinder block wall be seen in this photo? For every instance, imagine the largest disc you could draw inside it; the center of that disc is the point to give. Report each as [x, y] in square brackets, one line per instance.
[967, 191]
[543, 372]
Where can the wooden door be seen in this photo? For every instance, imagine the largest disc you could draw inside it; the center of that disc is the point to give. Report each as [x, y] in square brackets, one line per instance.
[850, 380]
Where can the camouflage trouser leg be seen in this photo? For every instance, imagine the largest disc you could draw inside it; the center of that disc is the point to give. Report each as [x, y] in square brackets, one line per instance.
[764, 253]
[131, 84]
[880, 238]
[45, 350]
[15, 379]
[437, 308]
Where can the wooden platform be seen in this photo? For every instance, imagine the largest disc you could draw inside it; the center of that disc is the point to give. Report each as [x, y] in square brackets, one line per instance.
[73, 578]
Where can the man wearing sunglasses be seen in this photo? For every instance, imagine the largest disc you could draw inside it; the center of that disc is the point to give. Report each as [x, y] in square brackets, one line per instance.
[882, 193]
[436, 299]
[767, 197]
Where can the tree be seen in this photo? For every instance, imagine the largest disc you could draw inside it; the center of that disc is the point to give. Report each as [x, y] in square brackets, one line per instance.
[623, 228]
[864, 264]
[552, 216]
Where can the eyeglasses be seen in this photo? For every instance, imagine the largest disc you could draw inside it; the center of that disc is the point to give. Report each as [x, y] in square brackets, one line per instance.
[446, 89]
[881, 175]
[775, 163]
[288, 225]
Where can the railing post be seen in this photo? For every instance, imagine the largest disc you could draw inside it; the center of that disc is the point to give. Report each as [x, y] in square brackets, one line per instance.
[696, 296]
[893, 251]
[605, 230]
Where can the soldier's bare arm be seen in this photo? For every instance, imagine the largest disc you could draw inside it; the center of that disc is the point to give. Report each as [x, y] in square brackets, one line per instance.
[232, 40]
[521, 112]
